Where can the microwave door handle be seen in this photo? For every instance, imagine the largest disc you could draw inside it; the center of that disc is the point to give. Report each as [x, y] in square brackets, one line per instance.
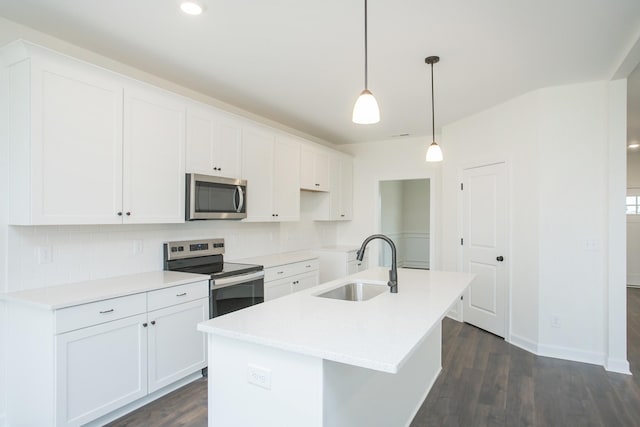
[240, 193]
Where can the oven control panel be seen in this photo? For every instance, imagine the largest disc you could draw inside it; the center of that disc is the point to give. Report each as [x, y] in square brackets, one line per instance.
[193, 248]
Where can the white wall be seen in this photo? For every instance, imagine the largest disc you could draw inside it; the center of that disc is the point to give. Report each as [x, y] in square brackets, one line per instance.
[394, 159]
[555, 142]
[507, 132]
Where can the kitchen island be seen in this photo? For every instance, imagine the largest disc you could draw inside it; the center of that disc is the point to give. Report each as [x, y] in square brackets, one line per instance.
[314, 361]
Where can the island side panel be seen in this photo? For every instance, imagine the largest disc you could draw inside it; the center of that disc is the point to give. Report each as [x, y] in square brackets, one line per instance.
[359, 397]
[293, 398]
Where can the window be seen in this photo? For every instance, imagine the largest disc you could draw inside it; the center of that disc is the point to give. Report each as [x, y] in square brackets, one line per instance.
[633, 205]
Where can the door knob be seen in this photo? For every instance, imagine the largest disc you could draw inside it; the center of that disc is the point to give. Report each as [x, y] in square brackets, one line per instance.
[500, 258]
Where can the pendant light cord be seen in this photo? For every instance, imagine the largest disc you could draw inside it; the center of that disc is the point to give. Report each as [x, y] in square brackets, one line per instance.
[433, 111]
[366, 76]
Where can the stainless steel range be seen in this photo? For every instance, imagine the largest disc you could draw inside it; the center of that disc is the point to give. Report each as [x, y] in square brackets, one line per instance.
[233, 286]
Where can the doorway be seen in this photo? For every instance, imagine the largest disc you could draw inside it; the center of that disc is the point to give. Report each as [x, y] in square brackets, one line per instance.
[405, 217]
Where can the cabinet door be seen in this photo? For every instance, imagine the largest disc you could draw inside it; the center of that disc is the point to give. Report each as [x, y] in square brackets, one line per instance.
[213, 143]
[276, 289]
[346, 189]
[286, 179]
[305, 281]
[257, 169]
[314, 174]
[227, 145]
[99, 369]
[176, 347]
[200, 137]
[76, 137]
[154, 171]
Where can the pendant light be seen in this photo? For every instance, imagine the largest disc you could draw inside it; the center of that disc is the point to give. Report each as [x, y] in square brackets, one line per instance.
[366, 111]
[434, 152]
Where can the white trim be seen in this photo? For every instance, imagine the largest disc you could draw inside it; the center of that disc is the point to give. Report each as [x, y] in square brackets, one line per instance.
[571, 354]
[523, 343]
[620, 366]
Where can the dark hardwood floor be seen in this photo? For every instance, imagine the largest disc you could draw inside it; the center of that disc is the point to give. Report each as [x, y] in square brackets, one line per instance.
[484, 382]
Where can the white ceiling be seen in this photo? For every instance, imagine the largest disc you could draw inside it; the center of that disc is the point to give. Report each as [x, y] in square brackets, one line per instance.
[301, 62]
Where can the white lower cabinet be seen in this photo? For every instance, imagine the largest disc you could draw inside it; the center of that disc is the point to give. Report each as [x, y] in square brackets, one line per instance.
[176, 348]
[100, 356]
[336, 262]
[100, 369]
[285, 279]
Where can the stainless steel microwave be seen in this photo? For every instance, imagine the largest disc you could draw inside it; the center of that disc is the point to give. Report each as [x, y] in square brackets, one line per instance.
[213, 197]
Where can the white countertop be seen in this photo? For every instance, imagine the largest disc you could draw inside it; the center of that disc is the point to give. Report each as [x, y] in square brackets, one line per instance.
[378, 334]
[338, 248]
[61, 296]
[275, 260]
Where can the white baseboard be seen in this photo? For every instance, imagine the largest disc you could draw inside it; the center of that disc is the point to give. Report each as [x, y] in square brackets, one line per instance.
[620, 366]
[523, 343]
[565, 353]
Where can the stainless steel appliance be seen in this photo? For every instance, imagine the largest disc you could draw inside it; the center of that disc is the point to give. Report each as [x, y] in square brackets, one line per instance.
[214, 197]
[232, 286]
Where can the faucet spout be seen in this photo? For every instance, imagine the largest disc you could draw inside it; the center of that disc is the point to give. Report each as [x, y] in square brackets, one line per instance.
[393, 273]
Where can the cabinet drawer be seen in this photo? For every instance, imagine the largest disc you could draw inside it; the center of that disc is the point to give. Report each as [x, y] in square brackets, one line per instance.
[305, 266]
[287, 270]
[279, 272]
[177, 294]
[81, 316]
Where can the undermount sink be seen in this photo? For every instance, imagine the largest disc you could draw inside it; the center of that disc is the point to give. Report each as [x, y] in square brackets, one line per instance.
[356, 291]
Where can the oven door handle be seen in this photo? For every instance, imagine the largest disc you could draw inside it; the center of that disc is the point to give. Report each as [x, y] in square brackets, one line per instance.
[236, 280]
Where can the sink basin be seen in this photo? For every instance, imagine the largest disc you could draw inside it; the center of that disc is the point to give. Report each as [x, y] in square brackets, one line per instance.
[356, 291]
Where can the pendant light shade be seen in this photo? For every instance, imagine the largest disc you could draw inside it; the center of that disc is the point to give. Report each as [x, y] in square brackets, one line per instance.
[434, 152]
[366, 111]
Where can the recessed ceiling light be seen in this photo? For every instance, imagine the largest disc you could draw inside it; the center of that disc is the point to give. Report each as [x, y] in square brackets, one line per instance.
[633, 145]
[191, 7]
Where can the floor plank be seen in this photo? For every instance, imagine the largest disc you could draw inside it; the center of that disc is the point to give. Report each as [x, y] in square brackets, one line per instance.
[484, 382]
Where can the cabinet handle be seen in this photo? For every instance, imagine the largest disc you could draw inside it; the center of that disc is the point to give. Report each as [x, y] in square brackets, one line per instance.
[307, 266]
[107, 311]
[128, 214]
[280, 272]
[119, 213]
[144, 325]
[153, 322]
[342, 215]
[182, 294]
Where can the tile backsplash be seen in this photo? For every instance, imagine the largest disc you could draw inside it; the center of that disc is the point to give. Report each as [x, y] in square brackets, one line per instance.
[49, 255]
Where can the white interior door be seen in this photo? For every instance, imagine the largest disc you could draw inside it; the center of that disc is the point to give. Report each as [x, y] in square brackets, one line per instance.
[484, 227]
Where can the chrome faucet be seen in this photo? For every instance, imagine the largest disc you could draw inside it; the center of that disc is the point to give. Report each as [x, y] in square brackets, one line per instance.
[393, 273]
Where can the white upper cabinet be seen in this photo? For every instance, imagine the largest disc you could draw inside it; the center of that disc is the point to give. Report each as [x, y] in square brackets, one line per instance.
[214, 142]
[154, 174]
[271, 166]
[86, 145]
[338, 204]
[314, 172]
[65, 140]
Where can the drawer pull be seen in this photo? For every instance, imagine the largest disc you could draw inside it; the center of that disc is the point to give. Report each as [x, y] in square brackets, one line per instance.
[153, 322]
[307, 266]
[144, 324]
[280, 272]
[107, 311]
[182, 294]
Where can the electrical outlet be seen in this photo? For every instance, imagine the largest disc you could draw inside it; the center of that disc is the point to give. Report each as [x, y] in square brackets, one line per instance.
[259, 376]
[555, 321]
[45, 254]
[137, 247]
